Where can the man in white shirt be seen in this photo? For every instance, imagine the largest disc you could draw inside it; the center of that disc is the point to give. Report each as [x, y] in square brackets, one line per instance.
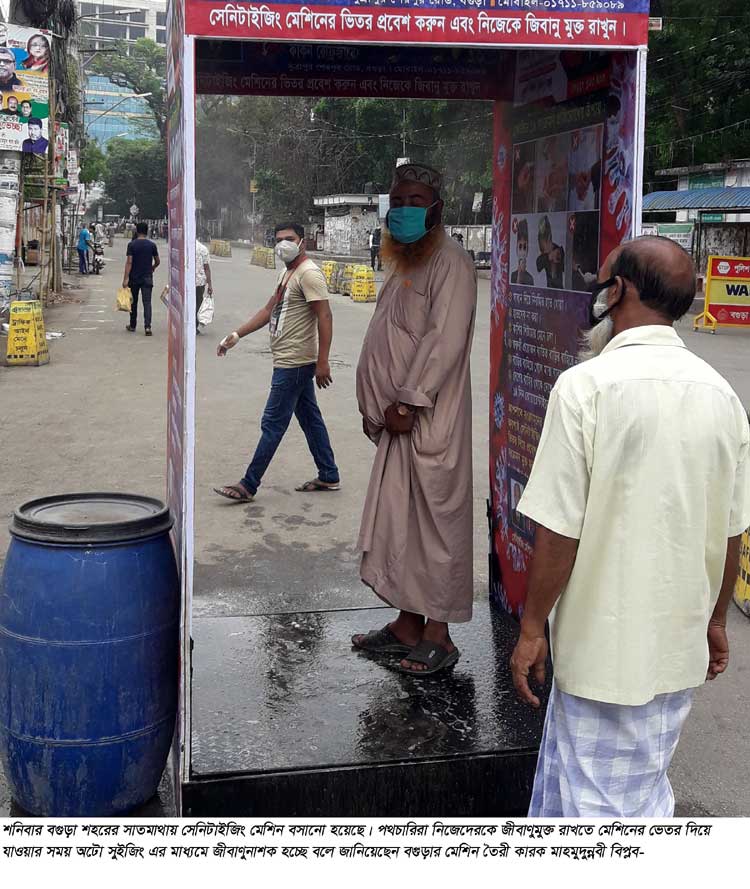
[640, 490]
[202, 277]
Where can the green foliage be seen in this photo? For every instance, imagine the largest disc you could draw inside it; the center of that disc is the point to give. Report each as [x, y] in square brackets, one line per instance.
[698, 111]
[299, 148]
[143, 69]
[136, 171]
[93, 163]
[698, 83]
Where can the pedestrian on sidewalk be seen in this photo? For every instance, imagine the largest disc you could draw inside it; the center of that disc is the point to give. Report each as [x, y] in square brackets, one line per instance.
[141, 263]
[640, 490]
[300, 323]
[202, 278]
[84, 242]
[414, 395]
[375, 236]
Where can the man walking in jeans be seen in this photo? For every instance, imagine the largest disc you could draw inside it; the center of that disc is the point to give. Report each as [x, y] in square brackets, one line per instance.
[300, 323]
[140, 265]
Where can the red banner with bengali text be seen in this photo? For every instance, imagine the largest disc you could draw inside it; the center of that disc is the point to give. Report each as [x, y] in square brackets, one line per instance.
[427, 24]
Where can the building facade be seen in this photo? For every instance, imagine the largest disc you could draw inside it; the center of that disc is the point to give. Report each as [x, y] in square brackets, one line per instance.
[108, 114]
[726, 174]
[349, 219]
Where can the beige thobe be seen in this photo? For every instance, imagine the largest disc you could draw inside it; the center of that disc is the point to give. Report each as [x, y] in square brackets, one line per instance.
[417, 536]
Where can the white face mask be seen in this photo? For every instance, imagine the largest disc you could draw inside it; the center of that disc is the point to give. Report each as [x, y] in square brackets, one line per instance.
[287, 251]
[594, 340]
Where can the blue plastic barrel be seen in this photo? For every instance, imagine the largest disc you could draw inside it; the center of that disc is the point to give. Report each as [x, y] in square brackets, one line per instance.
[89, 636]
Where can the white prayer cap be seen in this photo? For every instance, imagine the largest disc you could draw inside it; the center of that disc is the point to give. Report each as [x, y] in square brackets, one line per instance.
[417, 173]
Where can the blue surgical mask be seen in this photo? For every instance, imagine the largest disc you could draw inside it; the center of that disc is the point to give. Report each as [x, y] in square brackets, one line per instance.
[408, 224]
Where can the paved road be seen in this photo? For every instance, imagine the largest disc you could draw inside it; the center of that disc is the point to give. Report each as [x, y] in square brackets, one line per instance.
[95, 419]
[305, 542]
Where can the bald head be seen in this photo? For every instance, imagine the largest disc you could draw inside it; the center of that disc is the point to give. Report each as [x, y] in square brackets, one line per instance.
[659, 270]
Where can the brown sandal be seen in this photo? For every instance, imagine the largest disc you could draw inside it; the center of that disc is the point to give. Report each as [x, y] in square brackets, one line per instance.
[238, 493]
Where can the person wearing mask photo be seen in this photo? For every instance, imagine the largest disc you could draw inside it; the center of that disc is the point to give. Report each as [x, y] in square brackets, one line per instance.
[521, 274]
[300, 323]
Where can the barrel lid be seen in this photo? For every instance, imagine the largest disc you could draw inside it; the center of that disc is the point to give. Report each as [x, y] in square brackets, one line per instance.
[90, 518]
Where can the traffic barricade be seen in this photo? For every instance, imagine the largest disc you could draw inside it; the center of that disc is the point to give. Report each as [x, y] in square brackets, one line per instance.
[347, 279]
[27, 339]
[263, 257]
[329, 270]
[219, 248]
[742, 587]
[363, 285]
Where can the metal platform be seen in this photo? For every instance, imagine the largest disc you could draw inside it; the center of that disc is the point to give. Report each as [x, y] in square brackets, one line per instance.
[288, 720]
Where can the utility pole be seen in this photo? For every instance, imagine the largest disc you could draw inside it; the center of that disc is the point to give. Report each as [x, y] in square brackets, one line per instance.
[253, 189]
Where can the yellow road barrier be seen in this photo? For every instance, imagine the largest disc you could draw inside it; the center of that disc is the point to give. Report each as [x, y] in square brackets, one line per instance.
[263, 257]
[219, 248]
[27, 340]
[742, 587]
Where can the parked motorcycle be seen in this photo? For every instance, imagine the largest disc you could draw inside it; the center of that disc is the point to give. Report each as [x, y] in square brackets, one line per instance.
[98, 262]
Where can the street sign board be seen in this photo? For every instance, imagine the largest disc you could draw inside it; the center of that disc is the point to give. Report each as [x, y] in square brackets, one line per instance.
[727, 293]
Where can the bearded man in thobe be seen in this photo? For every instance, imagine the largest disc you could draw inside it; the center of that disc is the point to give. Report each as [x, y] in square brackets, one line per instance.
[414, 394]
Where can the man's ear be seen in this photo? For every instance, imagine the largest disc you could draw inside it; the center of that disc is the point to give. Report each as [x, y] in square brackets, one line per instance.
[436, 214]
[619, 292]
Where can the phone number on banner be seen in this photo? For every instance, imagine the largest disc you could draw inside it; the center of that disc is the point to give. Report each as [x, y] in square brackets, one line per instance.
[292, 22]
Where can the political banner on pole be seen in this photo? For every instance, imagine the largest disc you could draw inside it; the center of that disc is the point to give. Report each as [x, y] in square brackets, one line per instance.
[24, 89]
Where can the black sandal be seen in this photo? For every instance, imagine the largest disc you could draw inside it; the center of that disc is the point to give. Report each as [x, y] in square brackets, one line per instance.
[317, 485]
[383, 640]
[432, 655]
[238, 495]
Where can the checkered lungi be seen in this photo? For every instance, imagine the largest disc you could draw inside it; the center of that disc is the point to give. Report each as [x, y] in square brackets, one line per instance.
[607, 760]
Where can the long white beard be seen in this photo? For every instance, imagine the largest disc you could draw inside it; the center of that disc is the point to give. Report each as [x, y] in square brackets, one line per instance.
[593, 341]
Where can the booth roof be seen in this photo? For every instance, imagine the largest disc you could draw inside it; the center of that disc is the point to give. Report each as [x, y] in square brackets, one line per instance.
[698, 199]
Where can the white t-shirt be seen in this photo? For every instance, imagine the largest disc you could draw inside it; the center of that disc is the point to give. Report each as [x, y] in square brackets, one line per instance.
[202, 259]
[644, 459]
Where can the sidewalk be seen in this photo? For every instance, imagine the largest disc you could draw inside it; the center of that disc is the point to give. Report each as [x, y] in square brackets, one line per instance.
[94, 419]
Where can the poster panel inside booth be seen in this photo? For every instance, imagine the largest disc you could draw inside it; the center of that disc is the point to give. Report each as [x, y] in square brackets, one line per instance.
[566, 185]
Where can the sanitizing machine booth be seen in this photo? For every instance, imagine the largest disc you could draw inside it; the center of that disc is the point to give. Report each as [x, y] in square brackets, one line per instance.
[567, 79]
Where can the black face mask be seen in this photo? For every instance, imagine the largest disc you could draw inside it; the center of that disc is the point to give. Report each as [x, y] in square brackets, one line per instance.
[596, 289]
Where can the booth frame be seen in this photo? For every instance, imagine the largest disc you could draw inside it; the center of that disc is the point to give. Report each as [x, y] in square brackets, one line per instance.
[181, 84]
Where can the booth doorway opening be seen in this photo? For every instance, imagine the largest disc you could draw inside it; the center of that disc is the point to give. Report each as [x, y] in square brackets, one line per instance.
[525, 146]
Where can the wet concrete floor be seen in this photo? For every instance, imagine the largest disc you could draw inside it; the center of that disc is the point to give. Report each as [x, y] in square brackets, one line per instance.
[282, 691]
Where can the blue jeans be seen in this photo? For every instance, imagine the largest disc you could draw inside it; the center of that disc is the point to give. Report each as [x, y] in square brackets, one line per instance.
[292, 392]
[83, 261]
